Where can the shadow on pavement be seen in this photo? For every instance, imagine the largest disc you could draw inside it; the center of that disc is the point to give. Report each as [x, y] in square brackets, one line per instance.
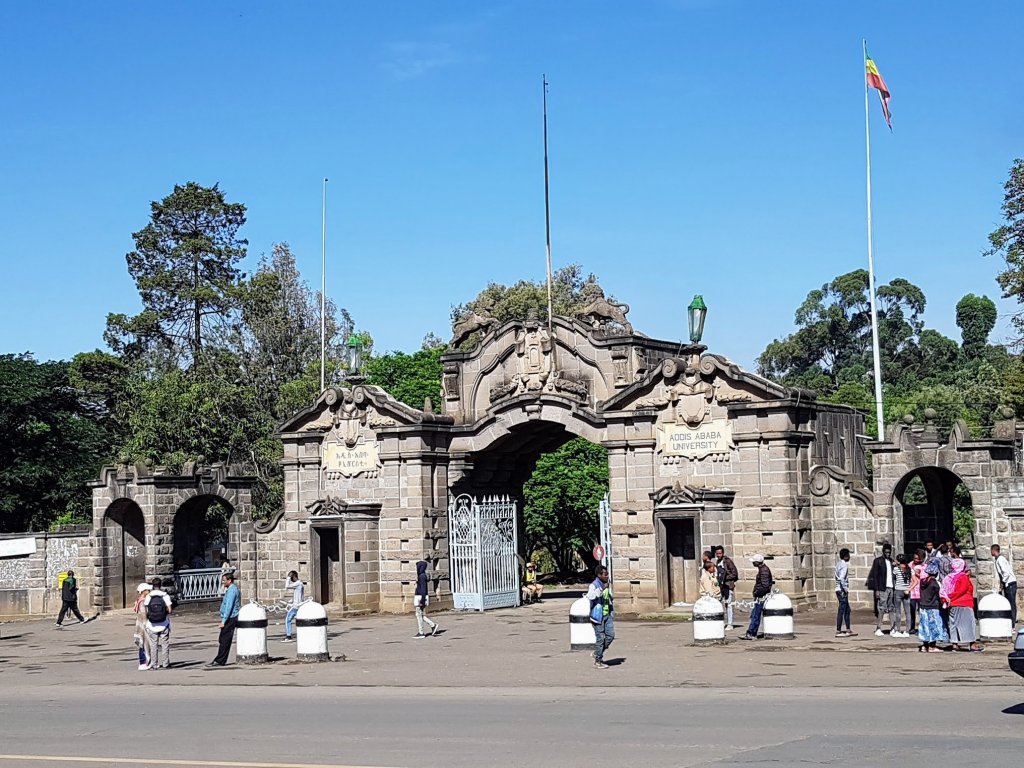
[1016, 709]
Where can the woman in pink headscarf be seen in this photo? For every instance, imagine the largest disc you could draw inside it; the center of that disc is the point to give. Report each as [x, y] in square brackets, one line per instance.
[958, 594]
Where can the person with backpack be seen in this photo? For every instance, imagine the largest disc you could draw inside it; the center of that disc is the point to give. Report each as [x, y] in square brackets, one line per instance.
[762, 588]
[69, 599]
[158, 625]
[602, 610]
[728, 575]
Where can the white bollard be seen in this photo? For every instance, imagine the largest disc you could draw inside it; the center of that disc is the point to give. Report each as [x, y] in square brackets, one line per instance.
[778, 617]
[251, 645]
[311, 633]
[708, 621]
[581, 629]
[994, 621]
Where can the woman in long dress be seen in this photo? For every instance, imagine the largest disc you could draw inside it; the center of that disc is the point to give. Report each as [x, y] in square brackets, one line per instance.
[929, 620]
[960, 599]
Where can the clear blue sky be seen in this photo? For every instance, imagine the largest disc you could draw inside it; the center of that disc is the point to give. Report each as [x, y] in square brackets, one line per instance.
[696, 146]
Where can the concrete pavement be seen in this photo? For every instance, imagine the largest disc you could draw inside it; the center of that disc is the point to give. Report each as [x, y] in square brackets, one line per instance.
[501, 689]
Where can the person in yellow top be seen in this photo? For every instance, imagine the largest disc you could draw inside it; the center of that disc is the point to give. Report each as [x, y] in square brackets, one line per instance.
[532, 589]
[709, 585]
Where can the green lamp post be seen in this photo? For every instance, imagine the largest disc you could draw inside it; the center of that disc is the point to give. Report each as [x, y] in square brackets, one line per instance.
[696, 314]
[355, 355]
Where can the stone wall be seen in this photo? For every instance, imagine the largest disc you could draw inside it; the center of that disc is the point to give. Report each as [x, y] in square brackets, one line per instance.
[28, 583]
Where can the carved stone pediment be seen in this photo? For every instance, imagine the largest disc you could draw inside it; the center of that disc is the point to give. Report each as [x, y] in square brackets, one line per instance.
[332, 506]
[687, 388]
[349, 411]
[685, 495]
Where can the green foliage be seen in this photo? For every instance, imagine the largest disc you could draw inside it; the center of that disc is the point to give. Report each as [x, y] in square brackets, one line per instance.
[561, 501]
[409, 378]
[53, 443]
[975, 317]
[1007, 240]
[832, 344]
[963, 517]
[570, 291]
[185, 267]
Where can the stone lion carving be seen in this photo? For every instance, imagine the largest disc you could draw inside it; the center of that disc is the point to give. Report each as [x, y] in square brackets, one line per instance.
[470, 324]
[600, 311]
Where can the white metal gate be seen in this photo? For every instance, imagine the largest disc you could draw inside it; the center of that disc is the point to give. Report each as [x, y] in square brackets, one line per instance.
[604, 513]
[483, 546]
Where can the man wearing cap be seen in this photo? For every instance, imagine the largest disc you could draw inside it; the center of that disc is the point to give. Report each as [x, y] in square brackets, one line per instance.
[762, 587]
[532, 590]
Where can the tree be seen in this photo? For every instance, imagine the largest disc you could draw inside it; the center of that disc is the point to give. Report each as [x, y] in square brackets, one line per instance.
[52, 446]
[1007, 240]
[185, 266]
[409, 378]
[975, 317]
[277, 333]
[570, 291]
[561, 501]
[832, 344]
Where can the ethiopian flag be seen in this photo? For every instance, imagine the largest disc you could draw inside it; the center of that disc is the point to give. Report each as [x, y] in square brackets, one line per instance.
[875, 81]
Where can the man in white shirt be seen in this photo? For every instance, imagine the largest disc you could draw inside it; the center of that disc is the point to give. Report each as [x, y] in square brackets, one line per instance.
[294, 583]
[157, 606]
[1007, 581]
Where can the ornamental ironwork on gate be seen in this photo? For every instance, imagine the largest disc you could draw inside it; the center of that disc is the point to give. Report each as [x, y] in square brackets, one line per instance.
[484, 547]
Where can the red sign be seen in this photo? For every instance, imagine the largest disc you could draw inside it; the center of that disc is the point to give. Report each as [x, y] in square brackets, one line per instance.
[598, 553]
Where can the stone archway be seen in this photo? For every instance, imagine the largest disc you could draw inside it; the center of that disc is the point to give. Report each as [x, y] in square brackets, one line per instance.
[123, 558]
[925, 500]
[157, 494]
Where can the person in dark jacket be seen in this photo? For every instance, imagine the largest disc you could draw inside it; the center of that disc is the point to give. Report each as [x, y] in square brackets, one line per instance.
[728, 575]
[421, 601]
[762, 588]
[880, 581]
[69, 599]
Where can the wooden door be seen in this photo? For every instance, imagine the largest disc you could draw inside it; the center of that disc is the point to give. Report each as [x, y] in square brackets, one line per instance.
[682, 566]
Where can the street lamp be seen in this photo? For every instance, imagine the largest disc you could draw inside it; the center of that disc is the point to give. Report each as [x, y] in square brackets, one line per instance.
[696, 313]
[355, 354]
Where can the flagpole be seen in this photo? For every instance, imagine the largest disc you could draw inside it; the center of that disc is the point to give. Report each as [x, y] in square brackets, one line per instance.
[323, 290]
[879, 410]
[547, 208]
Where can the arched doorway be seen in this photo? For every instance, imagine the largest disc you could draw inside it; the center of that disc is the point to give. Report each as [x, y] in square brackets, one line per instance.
[205, 529]
[936, 506]
[533, 492]
[124, 553]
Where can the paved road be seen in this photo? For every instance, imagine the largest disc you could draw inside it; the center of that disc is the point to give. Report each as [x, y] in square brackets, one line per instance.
[502, 689]
[256, 725]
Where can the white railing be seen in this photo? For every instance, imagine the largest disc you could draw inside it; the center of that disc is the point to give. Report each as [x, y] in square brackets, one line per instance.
[197, 584]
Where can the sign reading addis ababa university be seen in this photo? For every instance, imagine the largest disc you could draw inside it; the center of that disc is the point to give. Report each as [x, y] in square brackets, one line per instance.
[362, 457]
[710, 437]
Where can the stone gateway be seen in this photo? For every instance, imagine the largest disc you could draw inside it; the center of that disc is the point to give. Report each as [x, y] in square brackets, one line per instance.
[700, 453]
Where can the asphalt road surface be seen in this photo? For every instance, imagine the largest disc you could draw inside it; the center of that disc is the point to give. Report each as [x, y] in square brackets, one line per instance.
[107, 725]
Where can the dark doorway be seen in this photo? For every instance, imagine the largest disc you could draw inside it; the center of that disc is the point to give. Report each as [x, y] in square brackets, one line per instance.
[329, 567]
[124, 553]
[936, 507]
[203, 529]
[681, 559]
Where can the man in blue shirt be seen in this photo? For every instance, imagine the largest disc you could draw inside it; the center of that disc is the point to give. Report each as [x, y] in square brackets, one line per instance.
[230, 605]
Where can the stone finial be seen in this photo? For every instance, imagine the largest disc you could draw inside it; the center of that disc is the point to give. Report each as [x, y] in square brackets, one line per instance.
[908, 419]
[428, 405]
[1005, 426]
[930, 414]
